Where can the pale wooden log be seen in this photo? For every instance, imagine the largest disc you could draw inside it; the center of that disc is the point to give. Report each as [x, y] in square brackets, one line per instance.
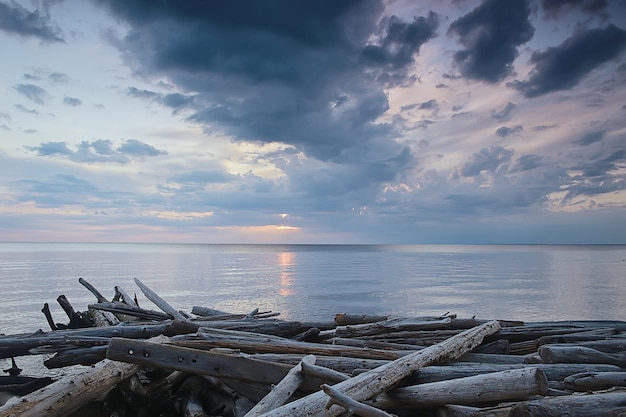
[589, 381]
[372, 383]
[513, 385]
[103, 318]
[159, 302]
[353, 407]
[283, 391]
[590, 405]
[579, 354]
[325, 374]
[101, 298]
[70, 393]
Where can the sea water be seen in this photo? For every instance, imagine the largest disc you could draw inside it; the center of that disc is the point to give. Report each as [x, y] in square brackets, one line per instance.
[314, 282]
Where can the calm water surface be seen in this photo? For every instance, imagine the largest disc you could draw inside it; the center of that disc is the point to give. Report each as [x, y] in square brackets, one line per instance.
[314, 282]
[317, 281]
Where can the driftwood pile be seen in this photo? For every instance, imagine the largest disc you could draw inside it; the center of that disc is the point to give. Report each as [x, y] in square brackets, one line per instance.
[210, 363]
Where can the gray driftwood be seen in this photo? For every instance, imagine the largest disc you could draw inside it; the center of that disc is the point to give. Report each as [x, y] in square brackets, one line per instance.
[372, 383]
[517, 384]
[158, 301]
[283, 390]
[70, 393]
[579, 354]
[592, 405]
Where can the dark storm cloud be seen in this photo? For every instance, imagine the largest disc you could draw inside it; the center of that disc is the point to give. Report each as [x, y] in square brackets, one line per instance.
[308, 74]
[563, 67]
[16, 19]
[398, 43]
[505, 131]
[491, 34]
[33, 92]
[72, 101]
[552, 8]
[98, 151]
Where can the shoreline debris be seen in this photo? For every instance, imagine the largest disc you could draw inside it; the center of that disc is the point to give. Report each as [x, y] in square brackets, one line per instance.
[140, 362]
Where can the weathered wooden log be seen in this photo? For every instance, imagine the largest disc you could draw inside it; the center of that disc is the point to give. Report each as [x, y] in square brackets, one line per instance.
[77, 320]
[373, 383]
[93, 290]
[590, 381]
[465, 411]
[70, 393]
[46, 312]
[283, 390]
[613, 345]
[198, 362]
[19, 345]
[159, 302]
[579, 354]
[391, 325]
[77, 356]
[513, 385]
[374, 344]
[208, 312]
[325, 374]
[589, 405]
[344, 319]
[102, 318]
[352, 407]
[123, 297]
[584, 324]
[535, 331]
[269, 326]
[589, 335]
[256, 343]
[134, 311]
[344, 364]
[554, 372]
[22, 385]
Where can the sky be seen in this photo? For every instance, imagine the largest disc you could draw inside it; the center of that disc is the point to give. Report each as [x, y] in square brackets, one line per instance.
[331, 121]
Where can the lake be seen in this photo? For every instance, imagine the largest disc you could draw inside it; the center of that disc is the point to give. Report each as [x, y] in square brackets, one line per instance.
[521, 282]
